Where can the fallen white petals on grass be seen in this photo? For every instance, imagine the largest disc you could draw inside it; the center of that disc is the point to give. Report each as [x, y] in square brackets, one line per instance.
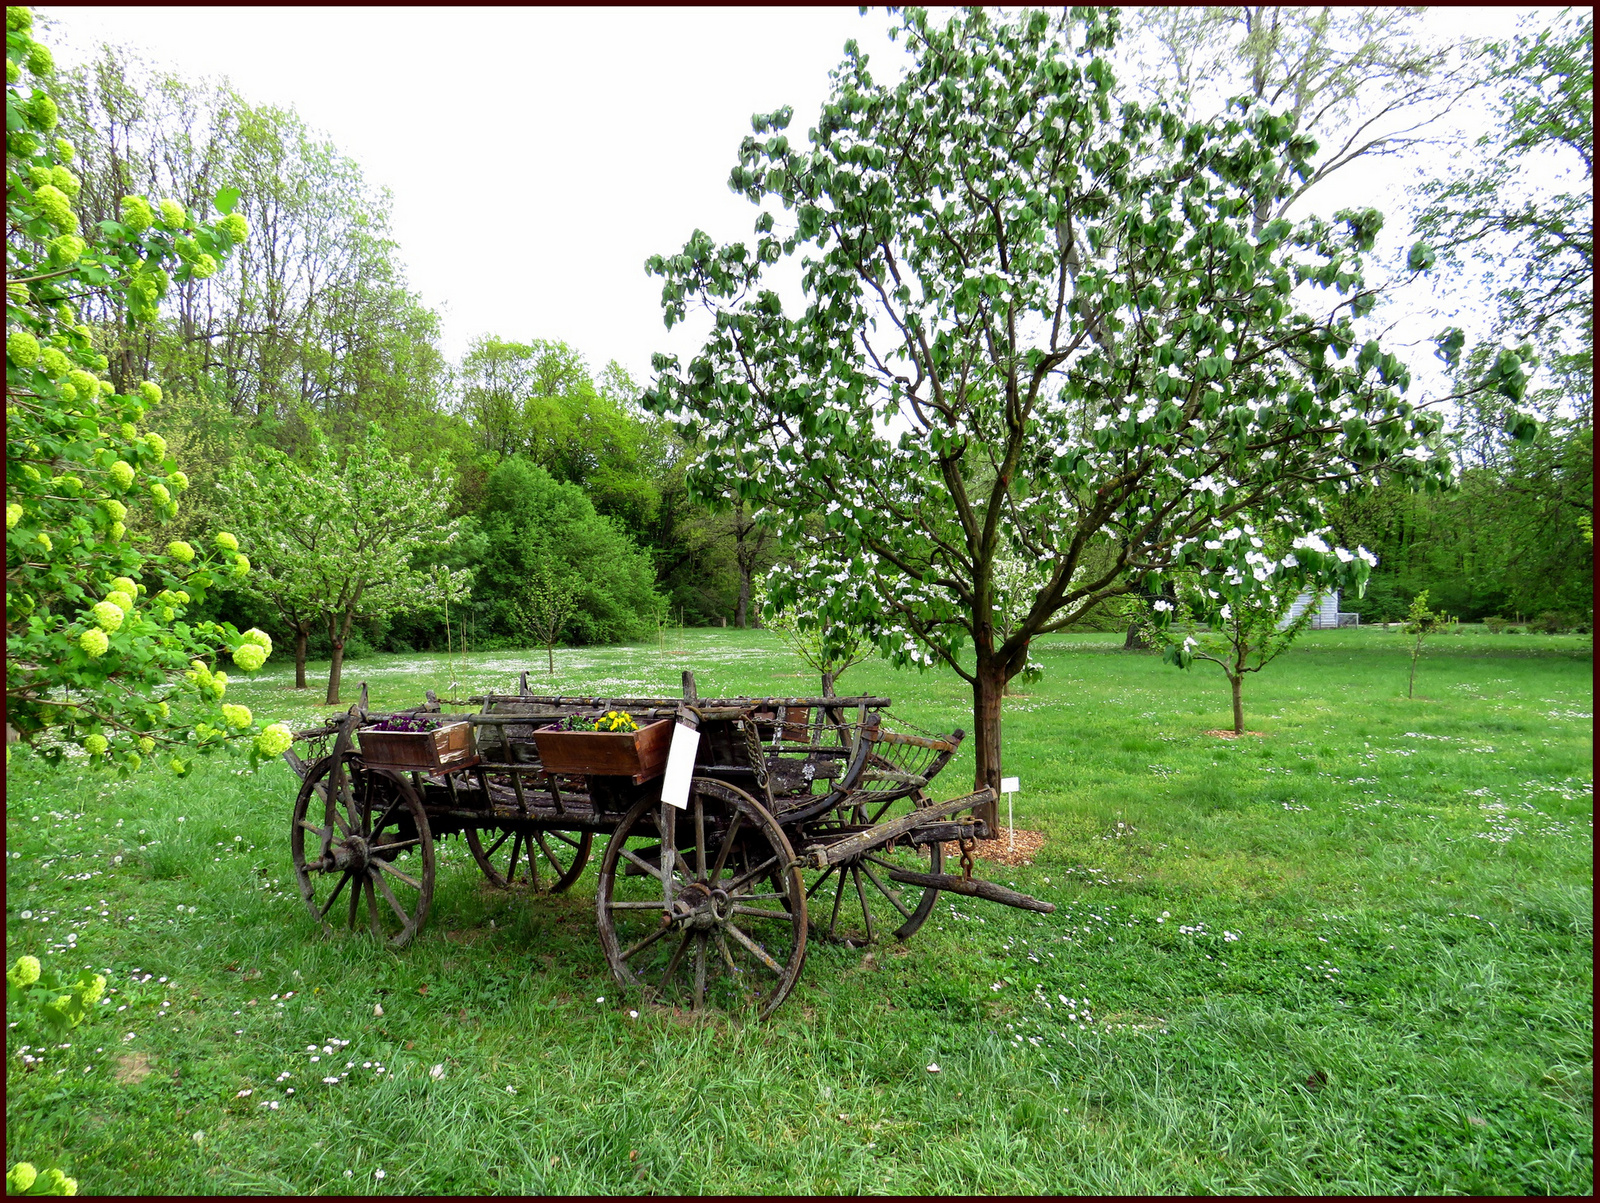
[932, 1068]
[436, 1072]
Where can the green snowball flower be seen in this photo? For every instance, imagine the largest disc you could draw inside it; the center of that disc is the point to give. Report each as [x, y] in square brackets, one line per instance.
[24, 973]
[68, 248]
[237, 716]
[274, 740]
[55, 208]
[108, 615]
[95, 744]
[159, 492]
[18, 19]
[117, 530]
[203, 268]
[40, 61]
[150, 392]
[44, 540]
[104, 387]
[13, 72]
[173, 214]
[183, 598]
[186, 247]
[63, 179]
[93, 992]
[119, 599]
[250, 657]
[83, 381]
[68, 393]
[235, 227]
[54, 1182]
[70, 485]
[21, 1177]
[178, 481]
[30, 472]
[226, 542]
[146, 744]
[121, 474]
[13, 513]
[258, 637]
[115, 509]
[94, 642]
[164, 710]
[128, 431]
[125, 584]
[39, 173]
[22, 348]
[44, 112]
[136, 214]
[219, 682]
[156, 444]
[54, 362]
[65, 151]
[181, 551]
[241, 565]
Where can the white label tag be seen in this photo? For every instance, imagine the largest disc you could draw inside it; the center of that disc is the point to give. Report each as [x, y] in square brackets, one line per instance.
[680, 765]
[1010, 785]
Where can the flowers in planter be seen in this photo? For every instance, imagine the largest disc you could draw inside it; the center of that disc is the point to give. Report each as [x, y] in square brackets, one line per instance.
[611, 720]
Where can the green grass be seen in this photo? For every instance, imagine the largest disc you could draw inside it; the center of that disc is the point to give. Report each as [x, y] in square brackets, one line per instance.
[1351, 955]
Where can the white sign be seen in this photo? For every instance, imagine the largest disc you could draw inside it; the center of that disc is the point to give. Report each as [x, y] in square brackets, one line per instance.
[680, 765]
[1009, 785]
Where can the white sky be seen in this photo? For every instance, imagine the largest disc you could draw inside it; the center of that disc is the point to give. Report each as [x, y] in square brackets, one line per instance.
[538, 157]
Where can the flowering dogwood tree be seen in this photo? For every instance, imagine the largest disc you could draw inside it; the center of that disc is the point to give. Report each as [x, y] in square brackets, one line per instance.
[99, 652]
[1039, 323]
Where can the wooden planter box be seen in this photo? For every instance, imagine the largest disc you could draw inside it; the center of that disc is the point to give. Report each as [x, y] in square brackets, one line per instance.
[641, 754]
[447, 747]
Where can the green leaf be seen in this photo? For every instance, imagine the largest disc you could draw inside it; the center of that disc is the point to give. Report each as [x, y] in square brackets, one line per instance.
[226, 199]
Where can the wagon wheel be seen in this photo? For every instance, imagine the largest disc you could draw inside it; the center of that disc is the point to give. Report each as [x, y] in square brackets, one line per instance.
[727, 925]
[378, 852]
[857, 902]
[517, 858]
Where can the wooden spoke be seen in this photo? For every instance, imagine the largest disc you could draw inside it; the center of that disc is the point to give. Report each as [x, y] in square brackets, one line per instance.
[672, 965]
[727, 846]
[699, 970]
[892, 895]
[392, 871]
[886, 906]
[323, 913]
[756, 950]
[645, 943]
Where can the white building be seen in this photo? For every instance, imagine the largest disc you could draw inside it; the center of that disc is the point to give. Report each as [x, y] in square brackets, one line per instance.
[1327, 607]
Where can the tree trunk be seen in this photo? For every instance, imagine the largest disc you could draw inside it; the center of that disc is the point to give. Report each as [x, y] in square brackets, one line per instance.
[336, 636]
[300, 634]
[1135, 642]
[741, 618]
[1238, 703]
[987, 689]
[550, 650]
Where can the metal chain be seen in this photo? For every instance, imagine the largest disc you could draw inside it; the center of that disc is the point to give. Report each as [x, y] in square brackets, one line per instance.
[967, 845]
[752, 743]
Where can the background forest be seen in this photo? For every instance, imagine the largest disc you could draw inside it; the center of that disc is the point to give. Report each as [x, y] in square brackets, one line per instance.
[308, 348]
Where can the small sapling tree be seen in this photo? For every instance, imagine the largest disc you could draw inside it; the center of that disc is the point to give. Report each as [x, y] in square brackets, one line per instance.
[1240, 629]
[543, 611]
[830, 643]
[1420, 623]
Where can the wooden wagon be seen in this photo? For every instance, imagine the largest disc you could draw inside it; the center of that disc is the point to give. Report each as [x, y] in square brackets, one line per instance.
[803, 817]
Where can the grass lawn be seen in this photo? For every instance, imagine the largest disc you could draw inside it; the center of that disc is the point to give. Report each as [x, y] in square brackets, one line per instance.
[1353, 954]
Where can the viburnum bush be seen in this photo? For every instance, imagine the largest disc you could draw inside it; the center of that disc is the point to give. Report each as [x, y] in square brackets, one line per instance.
[98, 651]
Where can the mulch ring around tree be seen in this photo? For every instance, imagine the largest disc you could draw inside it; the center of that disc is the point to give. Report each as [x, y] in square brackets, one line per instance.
[998, 851]
[1222, 734]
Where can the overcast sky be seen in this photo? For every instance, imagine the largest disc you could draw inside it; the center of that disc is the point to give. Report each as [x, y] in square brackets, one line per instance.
[538, 157]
